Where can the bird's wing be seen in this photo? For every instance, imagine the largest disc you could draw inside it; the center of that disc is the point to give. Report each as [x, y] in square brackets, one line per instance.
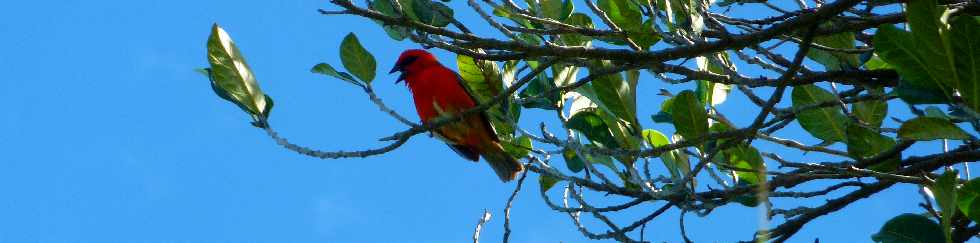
[483, 114]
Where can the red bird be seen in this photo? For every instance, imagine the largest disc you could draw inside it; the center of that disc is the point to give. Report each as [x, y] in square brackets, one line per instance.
[439, 91]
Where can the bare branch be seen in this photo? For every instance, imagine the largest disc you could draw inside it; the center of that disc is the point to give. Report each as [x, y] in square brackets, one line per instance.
[479, 226]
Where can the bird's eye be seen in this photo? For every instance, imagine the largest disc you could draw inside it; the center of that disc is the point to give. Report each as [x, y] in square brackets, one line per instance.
[407, 61]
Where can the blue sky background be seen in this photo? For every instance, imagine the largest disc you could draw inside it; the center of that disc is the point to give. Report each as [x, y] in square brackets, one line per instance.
[108, 135]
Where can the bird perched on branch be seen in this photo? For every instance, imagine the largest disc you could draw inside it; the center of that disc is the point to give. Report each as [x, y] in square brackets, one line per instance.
[439, 91]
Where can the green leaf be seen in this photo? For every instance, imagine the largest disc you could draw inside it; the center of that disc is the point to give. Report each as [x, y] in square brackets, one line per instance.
[909, 228]
[482, 77]
[675, 160]
[913, 93]
[933, 111]
[863, 143]
[204, 71]
[628, 181]
[748, 200]
[827, 123]
[663, 116]
[967, 199]
[502, 11]
[657, 139]
[576, 163]
[625, 132]
[626, 14]
[642, 34]
[589, 123]
[547, 182]
[710, 92]
[387, 7]
[747, 163]
[534, 90]
[715, 92]
[573, 161]
[622, 12]
[872, 112]
[432, 13]
[923, 16]
[328, 70]
[518, 147]
[875, 63]
[930, 128]
[564, 74]
[408, 8]
[965, 39]
[944, 191]
[615, 94]
[900, 50]
[681, 16]
[831, 60]
[557, 9]
[717, 127]
[357, 60]
[580, 20]
[231, 77]
[690, 118]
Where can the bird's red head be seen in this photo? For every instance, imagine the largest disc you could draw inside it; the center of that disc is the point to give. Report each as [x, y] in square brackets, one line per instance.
[413, 61]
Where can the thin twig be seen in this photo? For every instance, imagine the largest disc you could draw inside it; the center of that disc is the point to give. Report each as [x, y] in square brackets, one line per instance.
[510, 202]
[479, 225]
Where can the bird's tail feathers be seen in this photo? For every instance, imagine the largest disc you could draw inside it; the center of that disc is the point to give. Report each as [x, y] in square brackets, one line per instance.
[505, 165]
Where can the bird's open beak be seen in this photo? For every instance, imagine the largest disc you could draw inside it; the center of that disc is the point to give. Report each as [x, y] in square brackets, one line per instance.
[398, 68]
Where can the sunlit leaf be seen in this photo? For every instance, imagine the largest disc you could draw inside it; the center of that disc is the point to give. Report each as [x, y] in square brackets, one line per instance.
[231, 77]
[710, 92]
[876, 63]
[483, 80]
[675, 160]
[747, 163]
[482, 77]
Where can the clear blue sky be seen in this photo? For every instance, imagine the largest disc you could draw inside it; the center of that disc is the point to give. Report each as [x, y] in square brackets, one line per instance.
[110, 136]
